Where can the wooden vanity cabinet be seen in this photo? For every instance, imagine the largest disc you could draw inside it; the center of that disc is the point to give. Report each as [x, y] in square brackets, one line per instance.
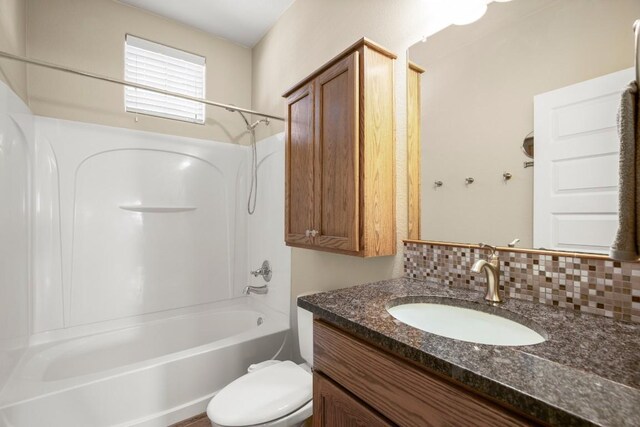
[356, 383]
[340, 155]
[332, 406]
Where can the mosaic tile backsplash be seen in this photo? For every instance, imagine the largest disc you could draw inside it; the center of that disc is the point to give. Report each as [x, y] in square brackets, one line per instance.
[596, 286]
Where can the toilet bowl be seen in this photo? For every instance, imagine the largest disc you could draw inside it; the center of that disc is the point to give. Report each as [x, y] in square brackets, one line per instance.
[273, 393]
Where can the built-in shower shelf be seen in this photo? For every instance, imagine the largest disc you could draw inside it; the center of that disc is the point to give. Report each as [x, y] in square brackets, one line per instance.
[157, 209]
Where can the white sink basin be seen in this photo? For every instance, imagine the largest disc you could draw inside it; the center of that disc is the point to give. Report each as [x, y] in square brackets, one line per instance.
[465, 324]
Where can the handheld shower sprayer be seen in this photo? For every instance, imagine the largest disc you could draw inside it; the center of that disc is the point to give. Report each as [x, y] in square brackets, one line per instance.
[253, 190]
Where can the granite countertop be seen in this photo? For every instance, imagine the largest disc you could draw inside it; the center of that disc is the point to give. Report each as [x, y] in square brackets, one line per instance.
[587, 372]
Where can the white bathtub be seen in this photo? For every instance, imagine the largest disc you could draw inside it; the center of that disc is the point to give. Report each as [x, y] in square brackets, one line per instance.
[152, 374]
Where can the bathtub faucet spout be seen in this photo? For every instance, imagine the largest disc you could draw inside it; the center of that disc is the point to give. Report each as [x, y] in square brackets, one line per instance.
[259, 290]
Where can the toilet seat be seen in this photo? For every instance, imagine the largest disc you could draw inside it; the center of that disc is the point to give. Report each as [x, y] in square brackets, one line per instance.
[263, 396]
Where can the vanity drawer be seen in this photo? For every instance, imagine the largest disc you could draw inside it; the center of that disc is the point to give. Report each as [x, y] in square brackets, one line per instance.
[403, 393]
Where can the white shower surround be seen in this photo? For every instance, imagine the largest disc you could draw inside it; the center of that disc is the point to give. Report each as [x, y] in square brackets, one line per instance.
[132, 229]
[117, 263]
[16, 131]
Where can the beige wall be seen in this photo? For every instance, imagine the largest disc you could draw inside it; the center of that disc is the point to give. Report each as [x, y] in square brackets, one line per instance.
[310, 33]
[13, 15]
[477, 105]
[89, 35]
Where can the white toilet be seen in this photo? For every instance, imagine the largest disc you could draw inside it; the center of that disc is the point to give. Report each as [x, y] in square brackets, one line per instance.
[273, 393]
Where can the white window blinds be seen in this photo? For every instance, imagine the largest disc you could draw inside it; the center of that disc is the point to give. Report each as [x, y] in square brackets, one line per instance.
[163, 67]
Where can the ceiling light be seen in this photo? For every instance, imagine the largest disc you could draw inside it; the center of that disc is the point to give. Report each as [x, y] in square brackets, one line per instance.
[468, 11]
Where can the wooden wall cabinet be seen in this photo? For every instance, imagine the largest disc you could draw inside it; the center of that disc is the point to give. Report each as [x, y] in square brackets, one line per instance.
[340, 155]
[358, 382]
[414, 83]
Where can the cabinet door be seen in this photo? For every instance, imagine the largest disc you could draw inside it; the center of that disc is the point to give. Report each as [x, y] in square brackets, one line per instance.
[333, 407]
[337, 156]
[299, 166]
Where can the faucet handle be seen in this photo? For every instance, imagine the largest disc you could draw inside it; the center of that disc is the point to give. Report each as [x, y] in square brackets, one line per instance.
[514, 243]
[493, 248]
[264, 271]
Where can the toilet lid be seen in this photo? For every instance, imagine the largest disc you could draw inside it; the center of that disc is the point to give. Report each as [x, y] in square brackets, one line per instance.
[262, 396]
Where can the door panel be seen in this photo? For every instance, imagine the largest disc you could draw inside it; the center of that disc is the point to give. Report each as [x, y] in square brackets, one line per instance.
[300, 166]
[576, 165]
[337, 176]
[334, 407]
[335, 157]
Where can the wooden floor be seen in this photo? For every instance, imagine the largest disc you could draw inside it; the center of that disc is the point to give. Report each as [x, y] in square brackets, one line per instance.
[197, 421]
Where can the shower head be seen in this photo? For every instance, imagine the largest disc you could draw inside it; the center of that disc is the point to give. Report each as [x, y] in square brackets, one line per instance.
[265, 121]
[250, 127]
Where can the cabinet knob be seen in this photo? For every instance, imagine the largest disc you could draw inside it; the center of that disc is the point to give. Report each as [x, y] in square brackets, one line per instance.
[307, 233]
[314, 233]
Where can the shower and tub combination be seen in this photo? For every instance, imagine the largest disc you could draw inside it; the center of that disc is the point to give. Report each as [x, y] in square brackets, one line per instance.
[126, 257]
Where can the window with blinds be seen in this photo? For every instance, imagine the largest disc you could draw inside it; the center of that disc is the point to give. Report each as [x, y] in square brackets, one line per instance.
[163, 67]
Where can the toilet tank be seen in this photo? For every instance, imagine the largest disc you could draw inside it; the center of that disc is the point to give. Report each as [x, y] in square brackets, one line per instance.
[305, 335]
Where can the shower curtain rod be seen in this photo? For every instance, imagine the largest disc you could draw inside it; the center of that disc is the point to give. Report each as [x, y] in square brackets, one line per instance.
[228, 107]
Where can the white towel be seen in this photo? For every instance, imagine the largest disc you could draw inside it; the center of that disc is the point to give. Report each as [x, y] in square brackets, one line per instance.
[626, 246]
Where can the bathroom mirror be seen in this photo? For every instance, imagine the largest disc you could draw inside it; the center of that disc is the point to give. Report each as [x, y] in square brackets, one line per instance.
[475, 104]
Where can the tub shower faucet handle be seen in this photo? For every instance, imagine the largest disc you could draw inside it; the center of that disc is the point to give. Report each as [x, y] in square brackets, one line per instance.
[264, 271]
